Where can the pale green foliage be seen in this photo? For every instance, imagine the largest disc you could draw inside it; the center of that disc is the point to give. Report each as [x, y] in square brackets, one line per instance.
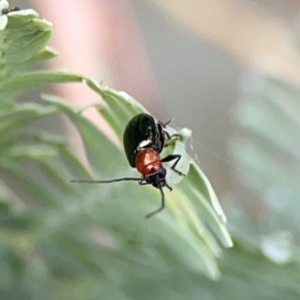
[70, 241]
[56, 234]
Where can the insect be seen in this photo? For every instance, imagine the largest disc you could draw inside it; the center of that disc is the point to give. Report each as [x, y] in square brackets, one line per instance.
[144, 139]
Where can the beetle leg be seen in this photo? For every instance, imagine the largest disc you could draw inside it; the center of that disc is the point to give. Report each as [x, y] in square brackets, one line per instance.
[172, 157]
[143, 181]
[167, 134]
[169, 187]
[162, 203]
[165, 124]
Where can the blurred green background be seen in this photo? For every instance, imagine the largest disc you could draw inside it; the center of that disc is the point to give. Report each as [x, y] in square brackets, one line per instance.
[226, 69]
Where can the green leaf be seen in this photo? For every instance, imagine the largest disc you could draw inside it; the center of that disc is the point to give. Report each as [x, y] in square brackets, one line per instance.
[91, 138]
[14, 85]
[268, 151]
[61, 240]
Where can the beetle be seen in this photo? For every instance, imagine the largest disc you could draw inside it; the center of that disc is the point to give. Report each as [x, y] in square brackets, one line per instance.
[144, 139]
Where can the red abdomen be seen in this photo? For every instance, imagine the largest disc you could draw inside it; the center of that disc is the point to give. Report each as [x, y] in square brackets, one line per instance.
[147, 161]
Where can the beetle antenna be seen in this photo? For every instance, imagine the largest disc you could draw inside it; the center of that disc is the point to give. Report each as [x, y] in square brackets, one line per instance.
[104, 181]
[162, 203]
